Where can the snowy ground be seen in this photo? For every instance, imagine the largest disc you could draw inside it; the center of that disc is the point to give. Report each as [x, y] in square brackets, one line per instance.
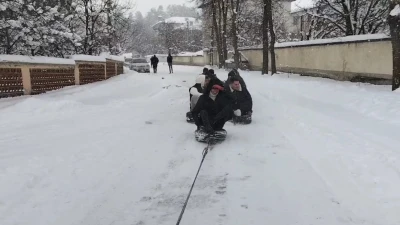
[120, 152]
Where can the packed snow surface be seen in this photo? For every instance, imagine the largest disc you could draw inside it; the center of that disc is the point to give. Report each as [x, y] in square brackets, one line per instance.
[120, 152]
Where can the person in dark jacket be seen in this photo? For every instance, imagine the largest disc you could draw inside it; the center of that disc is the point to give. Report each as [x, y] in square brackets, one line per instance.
[213, 109]
[205, 71]
[169, 61]
[154, 63]
[234, 73]
[242, 104]
[213, 76]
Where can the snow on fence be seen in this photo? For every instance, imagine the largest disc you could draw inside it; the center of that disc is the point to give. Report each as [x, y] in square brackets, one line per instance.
[21, 75]
[354, 58]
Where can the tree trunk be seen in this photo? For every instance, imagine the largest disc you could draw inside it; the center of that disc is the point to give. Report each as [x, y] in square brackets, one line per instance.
[273, 38]
[265, 38]
[109, 25]
[234, 8]
[217, 34]
[394, 23]
[224, 21]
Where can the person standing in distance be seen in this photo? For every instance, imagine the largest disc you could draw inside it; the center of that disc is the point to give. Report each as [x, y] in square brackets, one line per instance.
[169, 61]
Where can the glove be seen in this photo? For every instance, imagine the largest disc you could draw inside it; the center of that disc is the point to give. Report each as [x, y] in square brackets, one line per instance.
[237, 112]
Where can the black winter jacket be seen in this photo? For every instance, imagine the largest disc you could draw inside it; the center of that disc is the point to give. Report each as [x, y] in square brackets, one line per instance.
[154, 61]
[241, 100]
[169, 59]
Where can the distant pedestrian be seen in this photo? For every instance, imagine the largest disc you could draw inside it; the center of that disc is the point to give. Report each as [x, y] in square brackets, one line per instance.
[154, 63]
[169, 61]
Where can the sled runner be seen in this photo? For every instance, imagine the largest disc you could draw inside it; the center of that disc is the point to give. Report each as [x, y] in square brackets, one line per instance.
[216, 137]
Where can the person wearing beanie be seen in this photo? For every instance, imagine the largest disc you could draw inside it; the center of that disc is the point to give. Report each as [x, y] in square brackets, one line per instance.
[205, 71]
[242, 100]
[234, 73]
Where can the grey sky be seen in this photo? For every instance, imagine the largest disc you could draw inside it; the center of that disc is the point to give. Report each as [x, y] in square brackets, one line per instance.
[145, 5]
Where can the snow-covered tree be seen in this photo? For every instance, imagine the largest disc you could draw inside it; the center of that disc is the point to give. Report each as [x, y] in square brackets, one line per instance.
[332, 18]
[31, 27]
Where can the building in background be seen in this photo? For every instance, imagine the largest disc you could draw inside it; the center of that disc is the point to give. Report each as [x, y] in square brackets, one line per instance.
[180, 34]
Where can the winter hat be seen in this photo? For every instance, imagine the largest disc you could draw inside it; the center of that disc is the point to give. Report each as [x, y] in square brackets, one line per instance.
[201, 80]
[216, 86]
[233, 72]
[205, 70]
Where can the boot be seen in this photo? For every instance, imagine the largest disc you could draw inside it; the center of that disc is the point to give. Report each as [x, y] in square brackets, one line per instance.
[207, 125]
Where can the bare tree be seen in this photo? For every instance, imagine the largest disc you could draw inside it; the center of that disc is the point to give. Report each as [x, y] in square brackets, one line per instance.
[217, 33]
[350, 17]
[273, 38]
[235, 4]
[265, 38]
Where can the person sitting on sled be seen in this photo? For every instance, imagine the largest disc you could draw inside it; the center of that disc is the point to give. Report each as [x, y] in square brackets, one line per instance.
[234, 73]
[213, 109]
[242, 101]
[196, 90]
[194, 94]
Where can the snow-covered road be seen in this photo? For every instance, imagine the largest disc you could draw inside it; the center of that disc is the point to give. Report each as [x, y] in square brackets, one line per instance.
[120, 152]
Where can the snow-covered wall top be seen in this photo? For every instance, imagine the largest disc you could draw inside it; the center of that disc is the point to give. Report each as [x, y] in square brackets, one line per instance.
[116, 58]
[89, 58]
[35, 59]
[112, 57]
[341, 40]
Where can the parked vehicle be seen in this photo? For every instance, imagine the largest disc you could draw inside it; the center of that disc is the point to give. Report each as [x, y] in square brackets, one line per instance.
[138, 64]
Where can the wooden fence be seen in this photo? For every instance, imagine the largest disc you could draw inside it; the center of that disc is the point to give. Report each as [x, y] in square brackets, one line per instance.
[21, 75]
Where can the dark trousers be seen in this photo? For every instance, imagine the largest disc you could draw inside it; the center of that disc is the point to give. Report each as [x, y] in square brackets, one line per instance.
[155, 68]
[170, 67]
[210, 123]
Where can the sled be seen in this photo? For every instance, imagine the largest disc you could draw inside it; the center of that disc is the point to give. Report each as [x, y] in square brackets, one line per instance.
[245, 119]
[216, 137]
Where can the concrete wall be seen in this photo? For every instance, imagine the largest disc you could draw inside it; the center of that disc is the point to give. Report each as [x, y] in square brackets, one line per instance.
[189, 60]
[358, 60]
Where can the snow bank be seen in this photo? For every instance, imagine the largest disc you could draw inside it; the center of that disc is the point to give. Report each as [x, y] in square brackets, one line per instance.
[87, 58]
[395, 11]
[35, 59]
[354, 38]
